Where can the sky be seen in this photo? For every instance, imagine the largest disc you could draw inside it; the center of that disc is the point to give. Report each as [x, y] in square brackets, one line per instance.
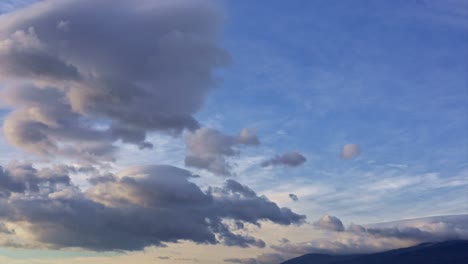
[197, 131]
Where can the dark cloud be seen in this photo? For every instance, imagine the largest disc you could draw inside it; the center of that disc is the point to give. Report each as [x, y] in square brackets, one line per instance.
[350, 151]
[93, 77]
[329, 222]
[209, 149]
[21, 178]
[291, 159]
[293, 197]
[117, 213]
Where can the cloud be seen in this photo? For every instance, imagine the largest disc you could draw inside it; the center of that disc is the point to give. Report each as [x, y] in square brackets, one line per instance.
[5, 230]
[118, 213]
[425, 229]
[21, 178]
[350, 151]
[293, 197]
[329, 222]
[209, 149]
[268, 258]
[290, 159]
[357, 239]
[71, 77]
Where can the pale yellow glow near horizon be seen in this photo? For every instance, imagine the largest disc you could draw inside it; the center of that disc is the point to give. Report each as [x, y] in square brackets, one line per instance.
[188, 252]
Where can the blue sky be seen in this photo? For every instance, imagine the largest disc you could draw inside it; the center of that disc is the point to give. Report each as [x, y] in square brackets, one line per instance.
[312, 76]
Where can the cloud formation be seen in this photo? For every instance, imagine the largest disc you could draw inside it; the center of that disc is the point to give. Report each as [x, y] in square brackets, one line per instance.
[290, 159]
[358, 239]
[329, 222]
[350, 151]
[73, 75]
[23, 178]
[210, 149]
[117, 213]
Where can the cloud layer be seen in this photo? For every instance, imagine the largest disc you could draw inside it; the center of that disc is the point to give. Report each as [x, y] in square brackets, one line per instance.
[379, 237]
[357, 239]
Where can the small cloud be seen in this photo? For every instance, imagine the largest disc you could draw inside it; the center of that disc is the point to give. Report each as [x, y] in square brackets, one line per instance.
[293, 197]
[350, 151]
[329, 222]
[210, 149]
[290, 159]
[63, 25]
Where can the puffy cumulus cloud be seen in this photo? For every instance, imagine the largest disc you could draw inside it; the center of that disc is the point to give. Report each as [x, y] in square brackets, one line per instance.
[77, 75]
[380, 237]
[291, 159]
[209, 149]
[118, 212]
[329, 222]
[293, 197]
[350, 151]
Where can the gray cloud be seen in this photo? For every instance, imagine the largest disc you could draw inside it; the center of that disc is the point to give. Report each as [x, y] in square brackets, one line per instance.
[429, 229]
[76, 79]
[118, 213]
[269, 258]
[209, 149]
[329, 222]
[350, 151]
[291, 159]
[21, 178]
[358, 239]
[293, 197]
